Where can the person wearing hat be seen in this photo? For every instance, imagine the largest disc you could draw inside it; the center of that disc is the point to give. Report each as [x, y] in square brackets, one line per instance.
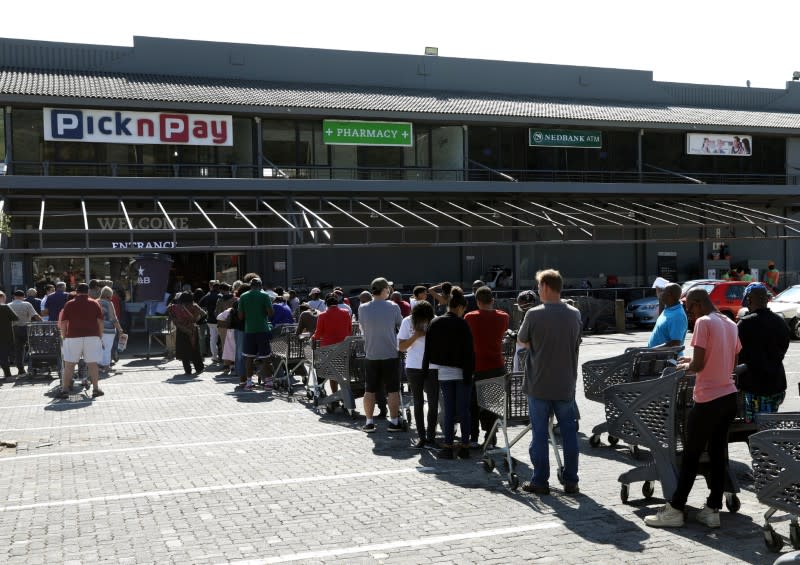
[81, 325]
[315, 301]
[380, 319]
[25, 314]
[526, 300]
[765, 340]
[672, 324]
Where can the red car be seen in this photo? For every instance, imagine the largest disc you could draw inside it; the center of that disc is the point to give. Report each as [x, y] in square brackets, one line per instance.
[726, 296]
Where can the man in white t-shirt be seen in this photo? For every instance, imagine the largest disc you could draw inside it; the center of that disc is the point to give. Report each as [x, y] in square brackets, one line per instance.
[315, 300]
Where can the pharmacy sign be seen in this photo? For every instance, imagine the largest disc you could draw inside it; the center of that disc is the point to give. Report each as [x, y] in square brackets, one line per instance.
[347, 132]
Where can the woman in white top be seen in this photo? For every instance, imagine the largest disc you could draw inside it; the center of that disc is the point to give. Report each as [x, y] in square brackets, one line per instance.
[111, 326]
[411, 339]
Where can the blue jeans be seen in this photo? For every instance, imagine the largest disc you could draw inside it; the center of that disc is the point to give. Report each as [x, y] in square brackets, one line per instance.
[564, 410]
[239, 361]
[455, 396]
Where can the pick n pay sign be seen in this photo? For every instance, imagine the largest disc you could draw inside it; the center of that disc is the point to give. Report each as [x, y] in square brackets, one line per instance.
[146, 128]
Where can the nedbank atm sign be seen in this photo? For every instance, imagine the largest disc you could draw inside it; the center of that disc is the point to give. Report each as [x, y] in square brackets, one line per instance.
[146, 128]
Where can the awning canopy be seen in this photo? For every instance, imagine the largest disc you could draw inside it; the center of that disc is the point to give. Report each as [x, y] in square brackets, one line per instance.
[281, 221]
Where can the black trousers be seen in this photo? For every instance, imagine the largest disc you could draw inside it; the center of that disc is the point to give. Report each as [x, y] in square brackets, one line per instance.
[5, 356]
[481, 418]
[429, 386]
[706, 430]
[20, 341]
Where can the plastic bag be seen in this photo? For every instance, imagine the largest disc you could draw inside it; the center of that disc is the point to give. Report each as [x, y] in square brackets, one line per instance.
[122, 342]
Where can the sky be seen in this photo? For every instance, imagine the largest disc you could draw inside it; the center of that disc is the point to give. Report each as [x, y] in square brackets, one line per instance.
[724, 42]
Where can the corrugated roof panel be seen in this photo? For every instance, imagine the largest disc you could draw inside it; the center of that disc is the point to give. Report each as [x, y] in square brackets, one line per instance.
[193, 90]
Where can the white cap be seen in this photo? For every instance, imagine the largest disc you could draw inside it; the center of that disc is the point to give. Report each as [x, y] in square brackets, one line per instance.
[660, 283]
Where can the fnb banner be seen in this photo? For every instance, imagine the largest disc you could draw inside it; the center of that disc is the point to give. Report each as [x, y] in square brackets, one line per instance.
[145, 128]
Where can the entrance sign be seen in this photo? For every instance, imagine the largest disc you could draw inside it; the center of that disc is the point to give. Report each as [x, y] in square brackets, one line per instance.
[143, 245]
[667, 265]
[719, 144]
[585, 139]
[149, 128]
[347, 132]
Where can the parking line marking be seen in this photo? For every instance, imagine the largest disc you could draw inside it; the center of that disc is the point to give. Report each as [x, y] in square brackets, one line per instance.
[135, 422]
[401, 544]
[14, 458]
[211, 488]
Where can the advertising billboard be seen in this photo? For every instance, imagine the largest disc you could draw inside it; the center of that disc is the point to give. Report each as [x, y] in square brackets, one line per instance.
[719, 144]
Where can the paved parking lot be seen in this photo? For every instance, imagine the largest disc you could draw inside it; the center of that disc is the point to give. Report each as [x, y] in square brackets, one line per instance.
[167, 469]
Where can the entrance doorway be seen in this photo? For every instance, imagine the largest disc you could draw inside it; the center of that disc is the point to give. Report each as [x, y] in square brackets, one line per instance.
[194, 269]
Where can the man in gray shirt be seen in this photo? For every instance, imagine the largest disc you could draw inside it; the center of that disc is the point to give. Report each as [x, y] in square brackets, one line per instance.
[552, 333]
[25, 314]
[380, 319]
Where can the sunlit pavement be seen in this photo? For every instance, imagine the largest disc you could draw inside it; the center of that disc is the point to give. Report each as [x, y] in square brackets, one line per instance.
[170, 469]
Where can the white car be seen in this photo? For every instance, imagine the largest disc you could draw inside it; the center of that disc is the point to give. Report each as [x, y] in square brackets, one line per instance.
[787, 304]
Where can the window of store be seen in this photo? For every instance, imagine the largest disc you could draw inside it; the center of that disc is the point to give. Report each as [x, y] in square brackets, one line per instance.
[2, 136]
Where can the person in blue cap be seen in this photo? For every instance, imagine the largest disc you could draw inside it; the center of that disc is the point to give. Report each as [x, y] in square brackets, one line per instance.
[765, 340]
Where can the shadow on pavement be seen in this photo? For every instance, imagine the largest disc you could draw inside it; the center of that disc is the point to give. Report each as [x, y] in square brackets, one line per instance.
[727, 539]
[182, 379]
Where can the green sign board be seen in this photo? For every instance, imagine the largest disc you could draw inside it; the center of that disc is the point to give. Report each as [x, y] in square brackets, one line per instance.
[346, 132]
[565, 138]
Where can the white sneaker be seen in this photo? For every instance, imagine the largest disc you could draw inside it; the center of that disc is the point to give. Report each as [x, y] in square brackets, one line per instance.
[708, 516]
[666, 517]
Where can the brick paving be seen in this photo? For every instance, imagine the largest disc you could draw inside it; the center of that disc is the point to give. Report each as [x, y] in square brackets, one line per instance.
[167, 469]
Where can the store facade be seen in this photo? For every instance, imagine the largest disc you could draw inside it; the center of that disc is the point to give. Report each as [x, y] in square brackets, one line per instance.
[353, 170]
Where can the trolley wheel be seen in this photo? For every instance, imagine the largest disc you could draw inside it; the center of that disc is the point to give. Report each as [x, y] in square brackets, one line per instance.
[488, 464]
[316, 401]
[408, 414]
[624, 491]
[648, 488]
[560, 475]
[773, 541]
[594, 440]
[794, 534]
[732, 503]
[513, 481]
[635, 451]
[613, 440]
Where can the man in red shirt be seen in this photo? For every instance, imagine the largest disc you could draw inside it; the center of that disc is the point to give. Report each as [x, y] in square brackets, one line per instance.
[333, 326]
[405, 307]
[488, 327]
[81, 325]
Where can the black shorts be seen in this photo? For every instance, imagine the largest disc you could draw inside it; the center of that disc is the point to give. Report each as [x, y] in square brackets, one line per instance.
[383, 373]
[256, 345]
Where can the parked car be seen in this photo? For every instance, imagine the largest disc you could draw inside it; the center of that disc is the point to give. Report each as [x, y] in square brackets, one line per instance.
[689, 284]
[642, 312]
[725, 295]
[787, 304]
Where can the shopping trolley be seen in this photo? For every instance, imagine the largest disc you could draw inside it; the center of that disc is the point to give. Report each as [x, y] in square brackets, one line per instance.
[505, 397]
[343, 364]
[635, 364]
[776, 472]
[288, 357]
[44, 348]
[654, 414]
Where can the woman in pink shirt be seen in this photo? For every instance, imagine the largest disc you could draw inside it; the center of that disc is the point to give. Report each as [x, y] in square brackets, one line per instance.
[716, 346]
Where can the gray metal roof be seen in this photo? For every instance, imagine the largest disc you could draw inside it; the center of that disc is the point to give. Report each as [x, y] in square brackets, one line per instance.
[247, 95]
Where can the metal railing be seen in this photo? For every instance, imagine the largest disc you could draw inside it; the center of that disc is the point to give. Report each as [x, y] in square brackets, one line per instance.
[475, 173]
